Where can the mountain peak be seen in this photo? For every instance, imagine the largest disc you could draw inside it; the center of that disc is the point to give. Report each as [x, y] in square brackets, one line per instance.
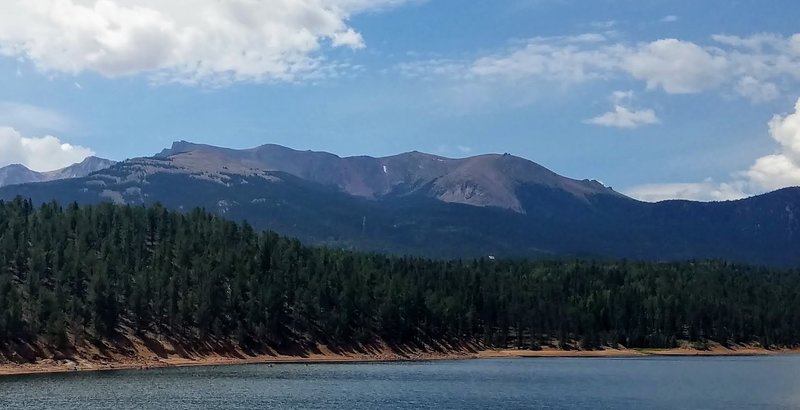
[16, 167]
[92, 159]
[17, 173]
[179, 147]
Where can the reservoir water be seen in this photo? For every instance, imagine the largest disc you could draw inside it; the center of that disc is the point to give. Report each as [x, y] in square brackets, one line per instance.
[574, 383]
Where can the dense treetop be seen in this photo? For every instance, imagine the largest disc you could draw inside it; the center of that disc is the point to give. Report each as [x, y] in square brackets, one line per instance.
[68, 273]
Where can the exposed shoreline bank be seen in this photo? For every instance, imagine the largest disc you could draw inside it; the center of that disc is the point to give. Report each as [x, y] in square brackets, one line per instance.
[327, 357]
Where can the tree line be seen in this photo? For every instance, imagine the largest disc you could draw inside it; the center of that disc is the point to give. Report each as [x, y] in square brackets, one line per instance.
[68, 273]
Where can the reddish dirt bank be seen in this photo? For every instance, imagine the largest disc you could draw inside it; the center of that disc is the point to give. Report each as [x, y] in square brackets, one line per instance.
[147, 353]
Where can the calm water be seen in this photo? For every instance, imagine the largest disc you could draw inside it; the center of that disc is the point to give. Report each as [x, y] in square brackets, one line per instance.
[650, 383]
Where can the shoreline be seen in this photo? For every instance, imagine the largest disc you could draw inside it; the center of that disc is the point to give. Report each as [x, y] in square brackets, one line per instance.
[69, 366]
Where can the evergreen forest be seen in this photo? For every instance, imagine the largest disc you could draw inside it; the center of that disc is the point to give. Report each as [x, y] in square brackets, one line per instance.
[73, 272]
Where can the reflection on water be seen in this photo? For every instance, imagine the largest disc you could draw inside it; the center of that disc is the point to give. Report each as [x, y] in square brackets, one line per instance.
[647, 383]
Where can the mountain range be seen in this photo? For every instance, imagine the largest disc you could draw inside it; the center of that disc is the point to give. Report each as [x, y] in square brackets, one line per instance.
[485, 180]
[19, 174]
[428, 205]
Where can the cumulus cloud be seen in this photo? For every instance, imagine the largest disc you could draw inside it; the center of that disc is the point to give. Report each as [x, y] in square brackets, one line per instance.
[774, 172]
[623, 117]
[38, 153]
[190, 41]
[783, 168]
[679, 67]
[755, 67]
[768, 173]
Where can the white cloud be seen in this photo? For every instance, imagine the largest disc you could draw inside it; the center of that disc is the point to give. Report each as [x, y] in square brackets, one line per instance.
[707, 190]
[360, 6]
[679, 67]
[768, 173]
[759, 41]
[620, 97]
[755, 67]
[783, 168]
[756, 90]
[570, 59]
[190, 41]
[774, 172]
[669, 19]
[587, 38]
[623, 117]
[39, 154]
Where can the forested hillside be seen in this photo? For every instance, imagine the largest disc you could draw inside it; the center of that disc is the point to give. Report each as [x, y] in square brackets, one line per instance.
[435, 207]
[85, 273]
[762, 230]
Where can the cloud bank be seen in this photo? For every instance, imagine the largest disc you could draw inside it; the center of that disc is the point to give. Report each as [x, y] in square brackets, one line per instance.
[707, 190]
[46, 153]
[768, 173]
[752, 67]
[781, 169]
[755, 68]
[187, 41]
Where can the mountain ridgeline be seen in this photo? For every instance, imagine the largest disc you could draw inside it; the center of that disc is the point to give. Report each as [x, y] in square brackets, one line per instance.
[485, 180]
[431, 206]
[19, 174]
[90, 274]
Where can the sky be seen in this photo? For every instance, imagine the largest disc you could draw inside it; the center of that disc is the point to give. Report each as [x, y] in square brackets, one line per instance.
[658, 99]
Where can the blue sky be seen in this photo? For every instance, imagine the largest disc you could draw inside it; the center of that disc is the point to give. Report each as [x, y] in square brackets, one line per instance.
[659, 99]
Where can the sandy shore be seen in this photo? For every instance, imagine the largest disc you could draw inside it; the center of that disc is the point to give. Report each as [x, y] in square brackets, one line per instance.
[67, 366]
[383, 355]
[713, 351]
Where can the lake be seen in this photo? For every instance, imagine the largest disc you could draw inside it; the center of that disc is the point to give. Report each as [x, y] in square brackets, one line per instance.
[548, 383]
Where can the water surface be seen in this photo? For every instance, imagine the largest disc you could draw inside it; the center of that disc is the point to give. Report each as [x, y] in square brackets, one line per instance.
[548, 383]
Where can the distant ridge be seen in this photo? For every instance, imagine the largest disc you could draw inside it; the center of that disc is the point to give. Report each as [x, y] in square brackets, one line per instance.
[484, 180]
[19, 174]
